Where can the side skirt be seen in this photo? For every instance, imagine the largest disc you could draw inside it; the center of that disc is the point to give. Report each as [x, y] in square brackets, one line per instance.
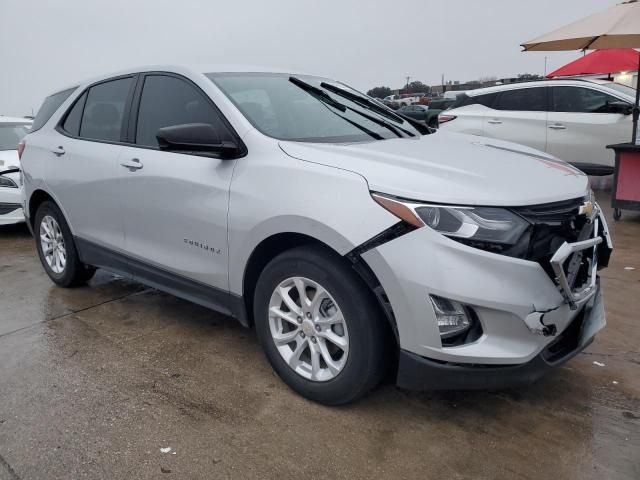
[156, 277]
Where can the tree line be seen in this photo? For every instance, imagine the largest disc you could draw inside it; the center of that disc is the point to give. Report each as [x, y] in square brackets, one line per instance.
[413, 87]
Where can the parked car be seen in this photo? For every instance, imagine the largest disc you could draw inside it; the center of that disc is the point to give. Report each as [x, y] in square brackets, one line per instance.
[353, 243]
[453, 94]
[437, 106]
[404, 99]
[419, 112]
[12, 130]
[393, 105]
[571, 119]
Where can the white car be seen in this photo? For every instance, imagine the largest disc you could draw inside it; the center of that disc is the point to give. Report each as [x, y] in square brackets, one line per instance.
[355, 240]
[12, 130]
[453, 93]
[573, 120]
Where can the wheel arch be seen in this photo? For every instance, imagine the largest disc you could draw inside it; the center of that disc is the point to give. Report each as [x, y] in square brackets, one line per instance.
[278, 243]
[37, 198]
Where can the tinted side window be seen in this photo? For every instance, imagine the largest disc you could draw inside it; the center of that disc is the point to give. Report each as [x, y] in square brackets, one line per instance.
[104, 108]
[581, 100]
[523, 100]
[49, 107]
[72, 122]
[487, 99]
[168, 101]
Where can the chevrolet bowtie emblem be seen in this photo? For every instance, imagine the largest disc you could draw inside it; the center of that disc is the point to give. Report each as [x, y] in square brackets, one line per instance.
[586, 209]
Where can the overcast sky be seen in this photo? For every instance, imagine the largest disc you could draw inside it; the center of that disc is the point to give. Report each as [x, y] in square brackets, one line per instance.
[46, 45]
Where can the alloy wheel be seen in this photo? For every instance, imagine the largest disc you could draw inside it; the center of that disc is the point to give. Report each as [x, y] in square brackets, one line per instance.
[308, 329]
[52, 244]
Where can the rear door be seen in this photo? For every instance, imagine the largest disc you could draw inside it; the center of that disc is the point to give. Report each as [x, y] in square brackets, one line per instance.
[581, 125]
[84, 152]
[519, 116]
[174, 204]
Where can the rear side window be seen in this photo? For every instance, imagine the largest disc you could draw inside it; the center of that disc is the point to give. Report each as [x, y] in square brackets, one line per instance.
[523, 100]
[104, 109]
[72, 122]
[168, 101]
[581, 100]
[487, 99]
[463, 100]
[49, 107]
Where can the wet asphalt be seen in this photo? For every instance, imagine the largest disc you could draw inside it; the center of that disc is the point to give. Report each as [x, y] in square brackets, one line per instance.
[95, 381]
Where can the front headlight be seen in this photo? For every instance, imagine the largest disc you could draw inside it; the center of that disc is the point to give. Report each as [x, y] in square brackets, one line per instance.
[482, 224]
[7, 182]
[476, 224]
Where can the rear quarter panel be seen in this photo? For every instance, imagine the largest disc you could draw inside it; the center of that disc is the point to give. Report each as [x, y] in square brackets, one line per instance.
[469, 119]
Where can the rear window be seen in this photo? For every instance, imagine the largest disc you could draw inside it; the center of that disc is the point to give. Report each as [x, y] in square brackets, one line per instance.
[11, 134]
[49, 107]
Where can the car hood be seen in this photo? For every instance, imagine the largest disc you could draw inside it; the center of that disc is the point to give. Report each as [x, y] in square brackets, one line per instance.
[452, 168]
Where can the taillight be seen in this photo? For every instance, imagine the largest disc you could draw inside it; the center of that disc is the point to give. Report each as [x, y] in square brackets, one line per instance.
[21, 147]
[446, 118]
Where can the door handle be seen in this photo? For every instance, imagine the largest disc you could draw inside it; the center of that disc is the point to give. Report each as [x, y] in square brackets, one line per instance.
[557, 126]
[58, 151]
[495, 121]
[133, 164]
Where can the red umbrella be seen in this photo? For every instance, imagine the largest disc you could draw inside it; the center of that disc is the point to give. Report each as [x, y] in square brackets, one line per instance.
[614, 60]
[616, 27]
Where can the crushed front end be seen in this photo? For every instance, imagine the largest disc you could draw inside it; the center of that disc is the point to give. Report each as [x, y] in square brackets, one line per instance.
[472, 313]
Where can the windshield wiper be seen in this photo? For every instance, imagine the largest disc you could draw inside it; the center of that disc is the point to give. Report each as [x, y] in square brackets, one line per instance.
[373, 106]
[326, 99]
[318, 93]
[322, 95]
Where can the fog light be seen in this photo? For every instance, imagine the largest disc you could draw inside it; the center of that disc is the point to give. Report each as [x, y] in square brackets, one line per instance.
[451, 316]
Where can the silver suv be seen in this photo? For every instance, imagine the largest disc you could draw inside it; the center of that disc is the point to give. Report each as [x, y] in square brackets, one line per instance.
[355, 242]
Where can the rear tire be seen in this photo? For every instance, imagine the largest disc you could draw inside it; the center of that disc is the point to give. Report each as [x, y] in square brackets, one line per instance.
[56, 248]
[339, 374]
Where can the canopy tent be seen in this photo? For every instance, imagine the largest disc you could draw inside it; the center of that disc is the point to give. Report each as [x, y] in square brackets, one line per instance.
[606, 61]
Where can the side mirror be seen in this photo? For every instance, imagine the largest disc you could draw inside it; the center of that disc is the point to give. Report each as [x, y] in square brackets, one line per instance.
[620, 107]
[194, 137]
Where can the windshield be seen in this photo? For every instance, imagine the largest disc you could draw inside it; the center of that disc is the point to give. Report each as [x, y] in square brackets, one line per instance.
[618, 87]
[11, 134]
[307, 110]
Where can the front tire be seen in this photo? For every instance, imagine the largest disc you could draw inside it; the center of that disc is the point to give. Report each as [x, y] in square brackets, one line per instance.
[56, 248]
[320, 326]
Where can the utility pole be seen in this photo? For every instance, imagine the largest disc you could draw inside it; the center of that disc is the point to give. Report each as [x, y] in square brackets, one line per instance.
[406, 89]
[545, 65]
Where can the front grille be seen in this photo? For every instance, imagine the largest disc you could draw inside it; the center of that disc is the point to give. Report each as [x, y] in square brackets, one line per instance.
[552, 225]
[8, 207]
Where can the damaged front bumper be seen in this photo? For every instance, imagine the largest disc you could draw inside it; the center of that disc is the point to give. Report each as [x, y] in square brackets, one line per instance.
[530, 321]
[419, 373]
